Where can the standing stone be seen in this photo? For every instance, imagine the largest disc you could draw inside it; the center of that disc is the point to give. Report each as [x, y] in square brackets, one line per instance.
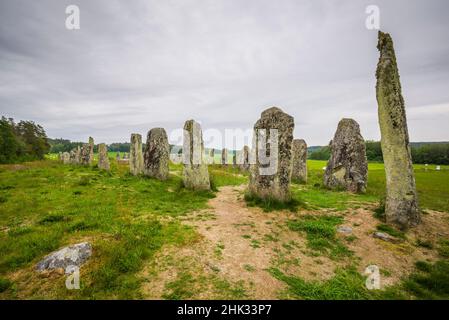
[77, 155]
[401, 206]
[117, 157]
[85, 155]
[347, 167]
[212, 156]
[73, 157]
[272, 147]
[224, 157]
[91, 150]
[60, 156]
[103, 159]
[234, 159]
[157, 154]
[244, 158]
[136, 155]
[299, 160]
[66, 158]
[195, 173]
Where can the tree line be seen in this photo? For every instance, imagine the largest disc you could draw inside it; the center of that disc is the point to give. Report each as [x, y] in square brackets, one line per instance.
[23, 141]
[422, 153]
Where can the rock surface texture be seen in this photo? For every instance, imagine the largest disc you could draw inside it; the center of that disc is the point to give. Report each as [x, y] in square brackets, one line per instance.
[136, 162]
[299, 161]
[195, 173]
[347, 167]
[401, 206]
[103, 159]
[67, 258]
[157, 154]
[272, 145]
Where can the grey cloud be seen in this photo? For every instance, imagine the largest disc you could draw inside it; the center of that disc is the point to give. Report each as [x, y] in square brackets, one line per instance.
[138, 64]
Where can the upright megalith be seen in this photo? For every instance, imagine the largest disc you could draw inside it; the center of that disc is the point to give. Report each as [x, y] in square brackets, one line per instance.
[244, 164]
[91, 150]
[103, 159]
[347, 167]
[85, 156]
[272, 144]
[157, 154]
[299, 160]
[117, 156]
[195, 173]
[136, 155]
[212, 156]
[401, 205]
[66, 158]
[224, 157]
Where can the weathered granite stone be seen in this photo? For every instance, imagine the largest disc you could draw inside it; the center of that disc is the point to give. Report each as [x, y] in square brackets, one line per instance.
[401, 206]
[103, 159]
[85, 155]
[224, 157]
[66, 158]
[60, 156]
[195, 173]
[91, 150]
[344, 229]
[385, 237]
[347, 167]
[212, 156]
[157, 154]
[67, 258]
[136, 155]
[244, 158]
[272, 146]
[299, 160]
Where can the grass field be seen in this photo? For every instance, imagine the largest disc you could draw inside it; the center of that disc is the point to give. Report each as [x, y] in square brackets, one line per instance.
[45, 205]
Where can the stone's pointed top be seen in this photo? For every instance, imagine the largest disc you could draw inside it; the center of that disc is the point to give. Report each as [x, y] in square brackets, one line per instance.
[347, 122]
[189, 124]
[300, 141]
[384, 39]
[273, 110]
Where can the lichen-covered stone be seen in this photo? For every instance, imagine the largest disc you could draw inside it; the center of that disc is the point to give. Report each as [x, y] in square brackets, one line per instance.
[243, 158]
[401, 206]
[66, 158]
[103, 159]
[136, 155]
[272, 143]
[67, 258]
[224, 157]
[299, 160]
[91, 150]
[195, 173]
[85, 155]
[157, 154]
[212, 156]
[347, 167]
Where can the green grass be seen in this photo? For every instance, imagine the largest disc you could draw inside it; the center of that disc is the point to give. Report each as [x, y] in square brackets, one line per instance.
[51, 205]
[321, 234]
[347, 284]
[391, 231]
[269, 205]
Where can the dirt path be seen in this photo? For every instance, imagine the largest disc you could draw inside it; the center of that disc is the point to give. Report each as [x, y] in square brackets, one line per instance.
[238, 244]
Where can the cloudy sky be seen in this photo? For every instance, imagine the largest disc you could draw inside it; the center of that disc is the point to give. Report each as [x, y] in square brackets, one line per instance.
[135, 65]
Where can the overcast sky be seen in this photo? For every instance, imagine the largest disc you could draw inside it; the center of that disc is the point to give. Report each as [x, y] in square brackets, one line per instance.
[135, 65]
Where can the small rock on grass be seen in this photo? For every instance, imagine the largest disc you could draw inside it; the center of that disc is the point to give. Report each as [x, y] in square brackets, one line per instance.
[385, 237]
[67, 258]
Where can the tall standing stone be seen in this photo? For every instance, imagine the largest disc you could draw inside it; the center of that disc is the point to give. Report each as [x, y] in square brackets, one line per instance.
[91, 150]
[136, 155]
[117, 156]
[245, 159]
[299, 160]
[157, 154]
[195, 173]
[347, 167]
[401, 206]
[212, 156]
[272, 145]
[85, 155]
[103, 159]
[66, 158]
[78, 155]
[224, 156]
